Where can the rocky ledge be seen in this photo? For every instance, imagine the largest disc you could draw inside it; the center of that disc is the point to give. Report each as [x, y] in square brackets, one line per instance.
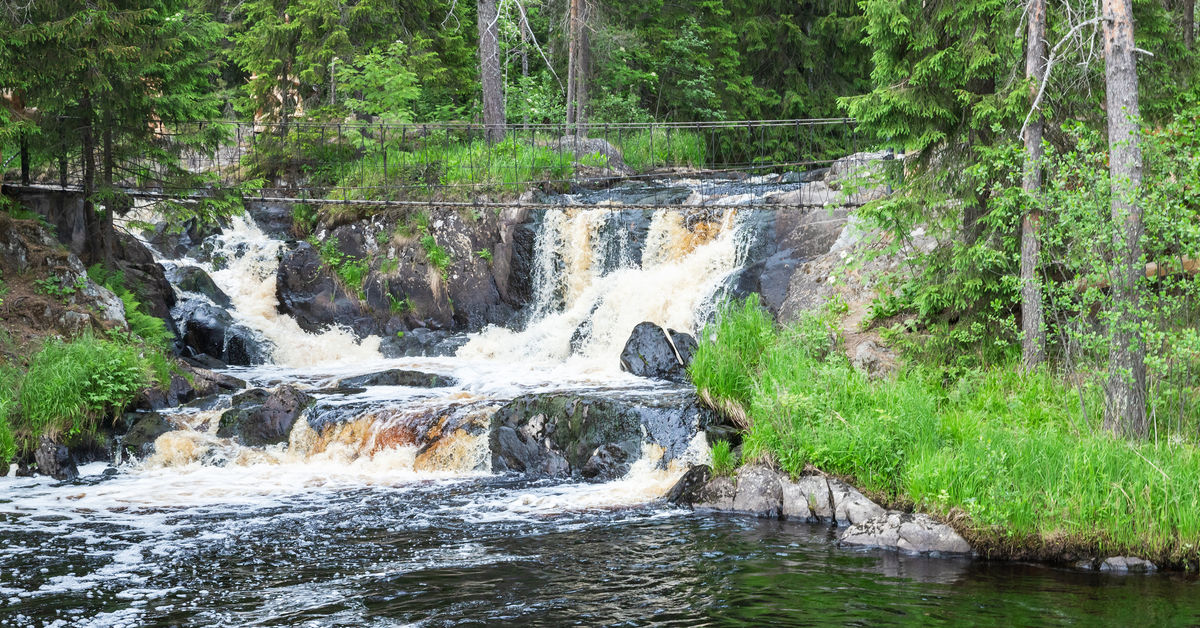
[762, 492]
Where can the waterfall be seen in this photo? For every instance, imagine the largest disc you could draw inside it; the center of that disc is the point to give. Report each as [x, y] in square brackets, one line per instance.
[593, 287]
[249, 278]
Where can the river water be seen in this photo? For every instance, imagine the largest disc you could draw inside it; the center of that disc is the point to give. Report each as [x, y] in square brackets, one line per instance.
[349, 524]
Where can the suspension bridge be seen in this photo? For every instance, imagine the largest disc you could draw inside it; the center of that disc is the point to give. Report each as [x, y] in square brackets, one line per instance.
[447, 164]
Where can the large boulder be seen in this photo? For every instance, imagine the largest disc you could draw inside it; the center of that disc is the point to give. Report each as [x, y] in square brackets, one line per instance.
[210, 330]
[652, 351]
[559, 435]
[398, 377]
[308, 292]
[422, 342]
[258, 418]
[194, 279]
[911, 533]
[138, 442]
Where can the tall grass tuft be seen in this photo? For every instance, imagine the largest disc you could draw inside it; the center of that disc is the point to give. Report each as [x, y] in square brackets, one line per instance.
[1013, 454]
[71, 386]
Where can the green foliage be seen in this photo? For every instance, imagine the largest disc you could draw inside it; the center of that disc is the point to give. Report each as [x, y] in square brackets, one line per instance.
[485, 255]
[434, 252]
[382, 83]
[351, 270]
[8, 400]
[71, 386]
[146, 327]
[304, 219]
[1022, 455]
[399, 306]
[723, 459]
[742, 331]
[59, 289]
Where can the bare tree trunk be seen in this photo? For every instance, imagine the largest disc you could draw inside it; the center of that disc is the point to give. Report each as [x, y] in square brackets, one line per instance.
[1033, 342]
[1188, 8]
[489, 70]
[92, 249]
[524, 27]
[577, 68]
[1125, 408]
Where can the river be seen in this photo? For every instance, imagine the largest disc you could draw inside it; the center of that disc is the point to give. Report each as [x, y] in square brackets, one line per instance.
[347, 524]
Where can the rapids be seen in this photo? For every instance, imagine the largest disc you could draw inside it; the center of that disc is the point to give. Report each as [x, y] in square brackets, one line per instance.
[357, 522]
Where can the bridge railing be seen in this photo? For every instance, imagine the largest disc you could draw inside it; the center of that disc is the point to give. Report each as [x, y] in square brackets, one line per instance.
[304, 161]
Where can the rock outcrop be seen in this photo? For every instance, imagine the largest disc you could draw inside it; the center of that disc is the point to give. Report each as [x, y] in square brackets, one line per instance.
[398, 377]
[55, 460]
[259, 418]
[912, 533]
[762, 492]
[210, 330]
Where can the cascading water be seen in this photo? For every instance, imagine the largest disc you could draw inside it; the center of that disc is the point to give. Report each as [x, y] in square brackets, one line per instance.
[381, 505]
[248, 277]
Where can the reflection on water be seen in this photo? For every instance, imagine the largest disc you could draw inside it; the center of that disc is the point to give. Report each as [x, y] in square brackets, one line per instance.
[485, 550]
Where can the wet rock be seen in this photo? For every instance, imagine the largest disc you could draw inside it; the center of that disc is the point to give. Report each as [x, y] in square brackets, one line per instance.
[806, 499]
[275, 219]
[194, 279]
[650, 352]
[849, 505]
[206, 382]
[612, 460]
[686, 490]
[308, 292]
[399, 377]
[146, 278]
[258, 418]
[1127, 564]
[208, 329]
[759, 492]
[717, 494]
[178, 391]
[422, 342]
[55, 460]
[556, 435]
[911, 533]
[138, 442]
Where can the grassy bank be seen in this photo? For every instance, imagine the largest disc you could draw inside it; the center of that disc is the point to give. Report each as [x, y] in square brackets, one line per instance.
[1017, 462]
[68, 388]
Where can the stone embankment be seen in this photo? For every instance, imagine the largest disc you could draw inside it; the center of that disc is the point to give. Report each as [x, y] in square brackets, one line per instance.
[762, 492]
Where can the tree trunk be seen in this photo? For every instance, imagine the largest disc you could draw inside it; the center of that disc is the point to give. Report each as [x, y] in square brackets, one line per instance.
[577, 69]
[489, 70]
[93, 252]
[1189, 23]
[524, 67]
[1033, 342]
[1125, 408]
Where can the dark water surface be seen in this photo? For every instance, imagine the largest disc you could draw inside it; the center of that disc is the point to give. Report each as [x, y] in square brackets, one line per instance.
[485, 551]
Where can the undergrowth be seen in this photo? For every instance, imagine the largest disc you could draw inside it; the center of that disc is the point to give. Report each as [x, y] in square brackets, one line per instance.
[71, 386]
[1018, 461]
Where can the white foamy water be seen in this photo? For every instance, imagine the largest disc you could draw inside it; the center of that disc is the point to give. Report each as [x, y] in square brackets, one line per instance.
[250, 281]
[674, 284]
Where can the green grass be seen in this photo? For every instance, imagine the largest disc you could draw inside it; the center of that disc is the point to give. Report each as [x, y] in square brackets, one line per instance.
[1018, 460]
[646, 150]
[71, 386]
[453, 169]
[436, 253]
[723, 459]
